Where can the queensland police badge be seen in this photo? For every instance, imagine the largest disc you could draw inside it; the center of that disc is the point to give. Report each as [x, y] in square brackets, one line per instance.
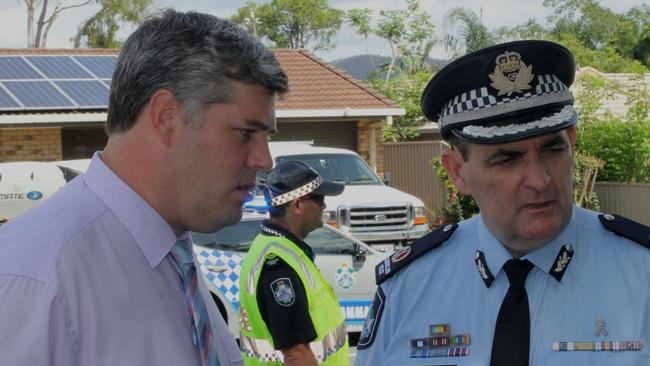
[345, 276]
[283, 292]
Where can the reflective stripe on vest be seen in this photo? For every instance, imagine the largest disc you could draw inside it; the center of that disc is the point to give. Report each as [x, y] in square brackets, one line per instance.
[262, 349]
[262, 257]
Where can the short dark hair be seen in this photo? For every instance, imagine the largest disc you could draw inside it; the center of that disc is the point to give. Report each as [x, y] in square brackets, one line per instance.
[278, 211]
[193, 55]
[461, 145]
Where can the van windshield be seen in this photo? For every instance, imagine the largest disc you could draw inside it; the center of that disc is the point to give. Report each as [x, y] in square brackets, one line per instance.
[340, 168]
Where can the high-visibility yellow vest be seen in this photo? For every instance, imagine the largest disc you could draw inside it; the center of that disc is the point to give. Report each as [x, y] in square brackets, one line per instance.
[330, 346]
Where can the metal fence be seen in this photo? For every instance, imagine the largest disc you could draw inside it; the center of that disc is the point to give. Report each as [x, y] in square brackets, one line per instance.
[412, 171]
[626, 199]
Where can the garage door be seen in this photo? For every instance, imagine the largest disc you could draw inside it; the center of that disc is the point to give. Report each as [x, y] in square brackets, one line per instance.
[323, 133]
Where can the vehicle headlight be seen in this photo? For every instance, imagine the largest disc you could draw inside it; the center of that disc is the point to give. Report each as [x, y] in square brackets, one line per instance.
[329, 217]
[419, 217]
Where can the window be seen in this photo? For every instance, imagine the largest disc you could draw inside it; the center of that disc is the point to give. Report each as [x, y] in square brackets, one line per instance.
[341, 168]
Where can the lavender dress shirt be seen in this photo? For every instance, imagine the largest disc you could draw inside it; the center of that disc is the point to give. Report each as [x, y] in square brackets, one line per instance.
[86, 279]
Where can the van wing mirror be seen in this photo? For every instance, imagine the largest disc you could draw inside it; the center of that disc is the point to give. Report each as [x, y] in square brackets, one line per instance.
[387, 178]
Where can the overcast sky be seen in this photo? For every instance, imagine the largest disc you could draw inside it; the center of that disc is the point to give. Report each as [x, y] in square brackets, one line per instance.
[13, 23]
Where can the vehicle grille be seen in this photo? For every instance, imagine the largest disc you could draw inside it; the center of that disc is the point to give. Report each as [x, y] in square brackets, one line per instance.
[376, 218]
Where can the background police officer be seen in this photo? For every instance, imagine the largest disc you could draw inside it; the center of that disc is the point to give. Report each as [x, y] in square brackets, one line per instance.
[285, 302]
[532, 279]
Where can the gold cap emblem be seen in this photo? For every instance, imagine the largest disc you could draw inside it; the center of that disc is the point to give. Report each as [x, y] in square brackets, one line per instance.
[511, 74]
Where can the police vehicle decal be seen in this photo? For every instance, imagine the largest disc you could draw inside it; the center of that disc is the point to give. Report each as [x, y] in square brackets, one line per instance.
[222, 268]
[345, 276]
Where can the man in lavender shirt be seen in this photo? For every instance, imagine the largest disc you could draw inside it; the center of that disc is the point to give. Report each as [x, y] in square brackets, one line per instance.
[86, 278]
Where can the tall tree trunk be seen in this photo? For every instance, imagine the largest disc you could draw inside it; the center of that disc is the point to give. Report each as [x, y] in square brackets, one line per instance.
[391, 65]
[50, 21]
[31, 9]
[40, 24]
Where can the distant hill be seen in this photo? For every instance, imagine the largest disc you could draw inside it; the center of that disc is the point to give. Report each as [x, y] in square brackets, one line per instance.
[361, 66]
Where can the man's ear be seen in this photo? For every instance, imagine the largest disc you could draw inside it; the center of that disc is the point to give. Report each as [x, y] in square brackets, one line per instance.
[165, 114]
[571, 133]
[453, 163]
[297, 205]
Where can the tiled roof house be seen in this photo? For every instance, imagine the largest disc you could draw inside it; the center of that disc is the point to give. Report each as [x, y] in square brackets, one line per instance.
[324, 105]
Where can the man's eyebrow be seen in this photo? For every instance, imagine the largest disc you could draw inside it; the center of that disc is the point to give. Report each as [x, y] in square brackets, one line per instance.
[557, 140]
[260, 125]
[503, 152]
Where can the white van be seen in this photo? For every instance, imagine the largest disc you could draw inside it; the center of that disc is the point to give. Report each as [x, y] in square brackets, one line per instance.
[368, 209]
[24, 185]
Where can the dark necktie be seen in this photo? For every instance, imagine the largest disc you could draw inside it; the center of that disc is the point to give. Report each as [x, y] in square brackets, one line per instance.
[512, 332]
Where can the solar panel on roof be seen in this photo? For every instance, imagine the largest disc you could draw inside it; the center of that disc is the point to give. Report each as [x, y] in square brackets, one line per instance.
[14, 68]
[6, 101]
[58, 67]
[86, 93]
[34, 94]
[107, 82]
[101, 66]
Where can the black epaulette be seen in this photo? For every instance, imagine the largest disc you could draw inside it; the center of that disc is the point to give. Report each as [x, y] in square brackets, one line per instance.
[392, 264]
[626, 228]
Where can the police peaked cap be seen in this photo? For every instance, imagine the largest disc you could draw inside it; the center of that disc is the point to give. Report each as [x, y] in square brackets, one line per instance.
[502, 93]
[294, 179]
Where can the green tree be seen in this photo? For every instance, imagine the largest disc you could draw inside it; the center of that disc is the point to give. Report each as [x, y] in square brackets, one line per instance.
[603, 36]
[465, 32]
[292, 23]
[100, 29]
[531, 29]
[623, 144]
[409, 33]
[405, 90]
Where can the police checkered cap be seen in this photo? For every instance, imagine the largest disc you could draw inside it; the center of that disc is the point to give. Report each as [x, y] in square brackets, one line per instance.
[503, 93]
[297, 193]
[294, 179]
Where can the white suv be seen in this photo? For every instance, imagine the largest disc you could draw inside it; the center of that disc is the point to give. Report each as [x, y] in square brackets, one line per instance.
[368, 209]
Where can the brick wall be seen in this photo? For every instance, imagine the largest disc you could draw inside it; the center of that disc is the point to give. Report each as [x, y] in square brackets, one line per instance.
[363, 142]
[37, 144]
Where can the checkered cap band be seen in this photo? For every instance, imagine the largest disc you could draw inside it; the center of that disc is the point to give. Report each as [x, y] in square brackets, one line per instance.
[480, 103]
[489, 132]
[298, 192]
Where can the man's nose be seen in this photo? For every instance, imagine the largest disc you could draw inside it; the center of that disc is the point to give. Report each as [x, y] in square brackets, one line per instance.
[260, 157]
[537, 175]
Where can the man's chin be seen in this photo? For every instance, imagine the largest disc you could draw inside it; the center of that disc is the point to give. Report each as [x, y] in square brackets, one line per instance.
[542, 229]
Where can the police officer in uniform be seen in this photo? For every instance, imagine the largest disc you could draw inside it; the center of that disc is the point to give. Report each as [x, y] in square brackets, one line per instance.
[288, 312]
[532, 279]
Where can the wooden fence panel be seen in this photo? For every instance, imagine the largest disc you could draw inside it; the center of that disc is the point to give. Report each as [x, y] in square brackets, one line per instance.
[410, 166]
[626, 199]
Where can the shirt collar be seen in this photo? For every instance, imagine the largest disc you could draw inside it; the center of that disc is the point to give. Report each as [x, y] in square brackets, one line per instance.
[152, 233]
[271, 229]
[545, 258]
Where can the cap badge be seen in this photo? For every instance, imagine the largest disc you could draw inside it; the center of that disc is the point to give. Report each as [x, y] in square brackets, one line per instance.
[511, 74]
